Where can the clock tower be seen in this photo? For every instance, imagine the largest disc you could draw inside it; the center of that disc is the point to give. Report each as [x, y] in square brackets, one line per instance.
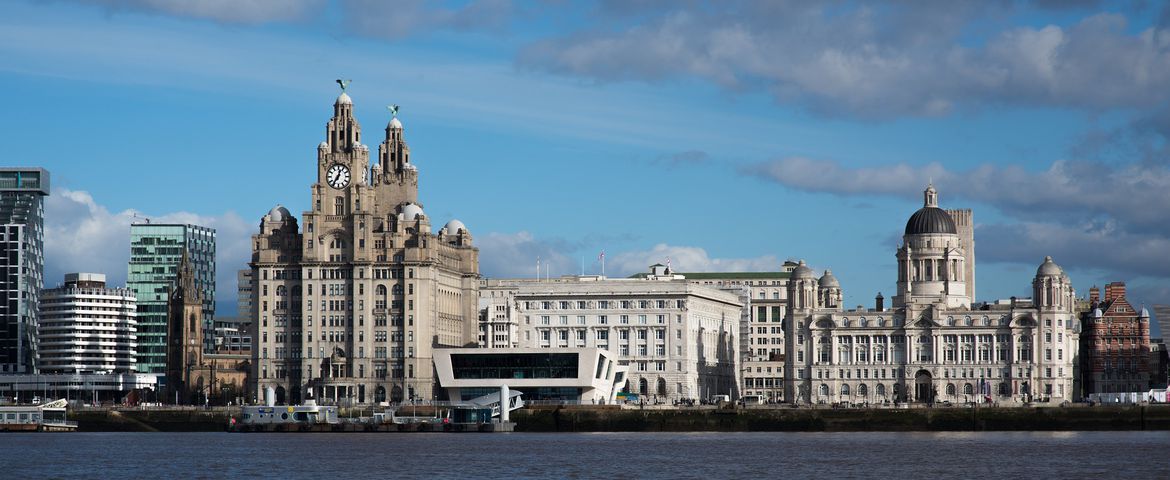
[349, 309]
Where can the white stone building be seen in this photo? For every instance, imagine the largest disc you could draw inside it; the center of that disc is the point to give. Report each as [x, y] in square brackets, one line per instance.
[87, 328]
[933, 345]
[679, 340]
[765, 297]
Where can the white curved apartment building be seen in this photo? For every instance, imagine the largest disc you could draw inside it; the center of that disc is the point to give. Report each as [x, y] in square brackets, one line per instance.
[86, 327]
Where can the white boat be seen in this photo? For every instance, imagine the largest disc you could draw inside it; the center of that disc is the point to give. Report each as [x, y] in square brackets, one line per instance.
[46, 417]
[308, 413]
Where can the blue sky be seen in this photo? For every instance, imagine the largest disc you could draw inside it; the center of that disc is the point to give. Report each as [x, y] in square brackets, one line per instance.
[723, 135]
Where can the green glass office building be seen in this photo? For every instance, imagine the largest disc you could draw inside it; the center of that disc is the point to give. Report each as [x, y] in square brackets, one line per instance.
[155, 251]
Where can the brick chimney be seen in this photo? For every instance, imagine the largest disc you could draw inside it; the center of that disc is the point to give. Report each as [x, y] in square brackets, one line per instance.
[1114, 291]
[1094, 296]
[879, 302]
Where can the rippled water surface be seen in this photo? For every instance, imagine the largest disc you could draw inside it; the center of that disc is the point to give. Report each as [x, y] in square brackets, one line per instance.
[585, 455]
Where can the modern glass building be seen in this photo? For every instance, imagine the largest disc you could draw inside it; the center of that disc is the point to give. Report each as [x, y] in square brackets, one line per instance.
[155, 251]
[22, 264]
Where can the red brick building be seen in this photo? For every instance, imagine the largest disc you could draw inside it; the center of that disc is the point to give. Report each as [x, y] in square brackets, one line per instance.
[1115, 343]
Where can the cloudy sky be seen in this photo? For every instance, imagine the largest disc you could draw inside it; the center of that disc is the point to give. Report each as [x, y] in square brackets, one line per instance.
[722, 135]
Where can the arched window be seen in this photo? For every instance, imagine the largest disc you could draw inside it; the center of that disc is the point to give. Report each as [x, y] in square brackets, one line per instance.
[191, 323]
[661, 386]
[643, 387]
[950, 389]
[862, 390]
[881, 390]
[380, 297]
[844, 390]
[968, 389]
[824, 390]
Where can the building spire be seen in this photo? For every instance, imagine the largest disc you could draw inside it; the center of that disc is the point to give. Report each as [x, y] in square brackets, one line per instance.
[343, 131]
[930, 196]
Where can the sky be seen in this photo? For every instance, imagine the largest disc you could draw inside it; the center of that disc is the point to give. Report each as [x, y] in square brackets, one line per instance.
[723, 136]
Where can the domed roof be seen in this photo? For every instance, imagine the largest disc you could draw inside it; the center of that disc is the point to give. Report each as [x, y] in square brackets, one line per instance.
[802, 271]
[929, 220]
[395, 124]
[410, 210]
[344, 99]
[1049, 268]
[454, 226]
[323, 145]
[828, 280]
[360, 146]
[279, 213]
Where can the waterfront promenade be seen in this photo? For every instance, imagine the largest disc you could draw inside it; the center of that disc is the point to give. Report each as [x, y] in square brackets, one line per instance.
[711, 419]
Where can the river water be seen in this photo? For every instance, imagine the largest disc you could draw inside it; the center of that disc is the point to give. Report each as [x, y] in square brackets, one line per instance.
[588, 455]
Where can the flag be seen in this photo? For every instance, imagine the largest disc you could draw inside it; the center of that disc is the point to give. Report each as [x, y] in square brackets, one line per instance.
[601, 258]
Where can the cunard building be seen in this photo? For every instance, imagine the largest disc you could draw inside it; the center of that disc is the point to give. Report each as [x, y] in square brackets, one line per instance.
[351, 300]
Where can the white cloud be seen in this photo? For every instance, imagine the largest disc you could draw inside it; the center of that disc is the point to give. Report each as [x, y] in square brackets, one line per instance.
[877, 60]
[81, 235]
[687, 259]
[517, 255]
[1066, 190]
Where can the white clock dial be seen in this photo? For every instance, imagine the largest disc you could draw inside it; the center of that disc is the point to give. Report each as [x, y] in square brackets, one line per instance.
[337, 176]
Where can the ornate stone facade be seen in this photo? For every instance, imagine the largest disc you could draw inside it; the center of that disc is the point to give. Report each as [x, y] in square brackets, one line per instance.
[350, 307]
[933, 345]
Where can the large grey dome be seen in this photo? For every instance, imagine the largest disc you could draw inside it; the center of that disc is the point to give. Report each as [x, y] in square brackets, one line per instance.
[828, 280]
[279, 213]
[1049, 268]
[802, 271]
[410, 210]
[930, 220]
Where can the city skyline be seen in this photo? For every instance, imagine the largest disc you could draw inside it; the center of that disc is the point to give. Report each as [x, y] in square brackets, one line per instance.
[702, 148]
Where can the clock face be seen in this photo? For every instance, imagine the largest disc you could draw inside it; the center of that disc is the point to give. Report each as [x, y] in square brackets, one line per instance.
[337, 176]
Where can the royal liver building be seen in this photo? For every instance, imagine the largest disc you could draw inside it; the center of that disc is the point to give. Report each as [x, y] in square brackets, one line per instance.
[350, 304]
[933, 345]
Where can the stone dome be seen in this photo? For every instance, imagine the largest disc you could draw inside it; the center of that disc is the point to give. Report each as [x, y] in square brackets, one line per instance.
[394, 124]
[454, 226]
[323, 146]
[410, 210]
[344, 99]
[928, 220]
[828, 280]
[279, 213]
[802, 271]
[1049, 268]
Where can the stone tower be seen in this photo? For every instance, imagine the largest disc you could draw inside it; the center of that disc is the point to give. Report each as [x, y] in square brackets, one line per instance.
[966, 229]
[349, 308]
[185, 335]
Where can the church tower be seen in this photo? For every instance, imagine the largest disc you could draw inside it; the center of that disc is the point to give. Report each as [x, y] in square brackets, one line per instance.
[185, 335]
